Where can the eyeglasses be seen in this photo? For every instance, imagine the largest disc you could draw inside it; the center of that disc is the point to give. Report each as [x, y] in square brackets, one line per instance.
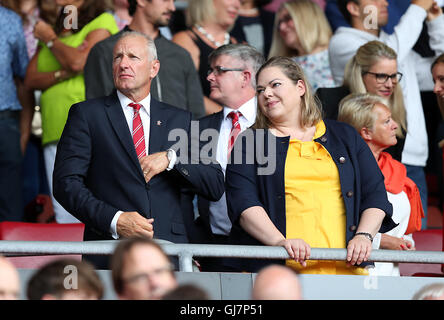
[383, 77]
[218, 70]
[284, 19]
[142, 277]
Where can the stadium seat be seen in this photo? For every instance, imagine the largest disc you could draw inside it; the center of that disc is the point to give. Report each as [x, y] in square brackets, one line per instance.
[40, 232]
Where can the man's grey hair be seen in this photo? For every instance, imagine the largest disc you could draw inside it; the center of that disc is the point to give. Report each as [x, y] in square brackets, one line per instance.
[250, 57]
[151, 47]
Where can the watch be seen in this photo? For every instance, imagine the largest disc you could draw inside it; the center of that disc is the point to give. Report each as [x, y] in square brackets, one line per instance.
[171, 155]
[50, 43]
[365, 234]
[57, 75]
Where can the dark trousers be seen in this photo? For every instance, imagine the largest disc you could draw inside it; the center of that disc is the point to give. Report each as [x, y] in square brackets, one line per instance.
[11, 196]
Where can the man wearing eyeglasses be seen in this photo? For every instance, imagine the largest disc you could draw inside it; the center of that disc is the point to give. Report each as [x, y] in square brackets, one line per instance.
[141, 270]
[366, 18]
[231, 75]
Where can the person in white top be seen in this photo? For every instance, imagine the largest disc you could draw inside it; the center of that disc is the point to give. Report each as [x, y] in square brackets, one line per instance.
[366, 18]
[231, 75]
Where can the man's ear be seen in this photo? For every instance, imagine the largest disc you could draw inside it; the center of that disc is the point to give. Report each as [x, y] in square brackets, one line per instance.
[155, 67]
[353, 9]
[246, 78]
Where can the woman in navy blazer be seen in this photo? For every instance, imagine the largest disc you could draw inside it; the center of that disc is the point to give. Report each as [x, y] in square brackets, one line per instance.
[255, 177]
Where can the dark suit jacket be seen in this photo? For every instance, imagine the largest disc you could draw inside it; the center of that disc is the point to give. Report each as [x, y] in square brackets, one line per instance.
[97, 171]
[202, 223]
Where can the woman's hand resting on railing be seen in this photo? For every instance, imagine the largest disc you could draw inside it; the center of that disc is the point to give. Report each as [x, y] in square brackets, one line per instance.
[298, 249]
[358, 250]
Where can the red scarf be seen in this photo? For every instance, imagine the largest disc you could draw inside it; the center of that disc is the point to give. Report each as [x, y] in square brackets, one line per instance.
[396, 180]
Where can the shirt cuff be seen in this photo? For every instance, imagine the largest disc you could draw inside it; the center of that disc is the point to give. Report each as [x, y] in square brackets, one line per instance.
[376, 241]
[173, 159]
[113, 226]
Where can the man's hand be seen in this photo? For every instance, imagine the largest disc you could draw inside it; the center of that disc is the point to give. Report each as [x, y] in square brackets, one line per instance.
[154, 164]
[434, 12]
[133, 224]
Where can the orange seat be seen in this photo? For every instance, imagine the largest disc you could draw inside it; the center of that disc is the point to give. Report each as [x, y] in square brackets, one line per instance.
[24, 231]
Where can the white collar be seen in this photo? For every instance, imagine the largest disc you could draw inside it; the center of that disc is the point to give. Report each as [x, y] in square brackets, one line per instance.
[248, 110]
[125, 101]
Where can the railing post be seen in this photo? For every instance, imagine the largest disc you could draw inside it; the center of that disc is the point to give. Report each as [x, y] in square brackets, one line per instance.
[185, 261]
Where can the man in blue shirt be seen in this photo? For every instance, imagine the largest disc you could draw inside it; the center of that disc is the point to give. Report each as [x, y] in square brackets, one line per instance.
[13, 64]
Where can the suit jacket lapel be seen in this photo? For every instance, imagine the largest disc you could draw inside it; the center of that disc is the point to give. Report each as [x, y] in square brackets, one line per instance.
[158, 127]
[216, 122]
[118, 122]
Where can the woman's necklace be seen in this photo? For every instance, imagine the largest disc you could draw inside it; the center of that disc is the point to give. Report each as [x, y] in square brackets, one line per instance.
[211, 38]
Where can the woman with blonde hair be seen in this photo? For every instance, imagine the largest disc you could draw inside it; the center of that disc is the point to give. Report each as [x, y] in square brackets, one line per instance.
[320, 188]
[303, 33]
[372, 119]
[373, 69]
[209, 23]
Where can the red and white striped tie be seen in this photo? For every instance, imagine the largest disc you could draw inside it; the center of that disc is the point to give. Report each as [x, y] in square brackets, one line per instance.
[235, 129]
[138, 135]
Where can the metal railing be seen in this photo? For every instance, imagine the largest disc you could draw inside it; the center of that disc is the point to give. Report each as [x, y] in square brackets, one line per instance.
[186, 252]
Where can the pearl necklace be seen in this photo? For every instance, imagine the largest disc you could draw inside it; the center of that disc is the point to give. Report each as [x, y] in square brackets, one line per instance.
[211, 38]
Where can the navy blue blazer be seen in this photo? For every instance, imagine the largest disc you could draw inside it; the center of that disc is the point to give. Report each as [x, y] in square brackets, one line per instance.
[97, 171]
[362, 183]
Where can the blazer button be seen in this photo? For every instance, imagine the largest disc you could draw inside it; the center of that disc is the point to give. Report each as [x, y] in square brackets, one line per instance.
[352, 228]
[324, 139]
[349, 194]
[342, 160]
[279, 197]
[185, 171]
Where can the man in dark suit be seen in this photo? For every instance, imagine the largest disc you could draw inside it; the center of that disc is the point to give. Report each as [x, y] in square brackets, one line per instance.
[232, 75]
[115, 170]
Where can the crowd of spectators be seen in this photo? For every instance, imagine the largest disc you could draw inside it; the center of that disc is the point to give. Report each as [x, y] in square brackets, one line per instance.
[335, 87]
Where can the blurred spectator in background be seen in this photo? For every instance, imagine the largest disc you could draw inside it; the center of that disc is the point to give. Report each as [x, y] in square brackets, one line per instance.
[277, 282]
[141, 270]
[121, 14]
[209, 23]
[434, 291]
[415, 69]
[57, 67]
[65, 279]
[187, 292]
[254, 25]
[372, 69]
[35, 186]
[438, 144]
[396, 8]
[302, 33]
[9, 279]
[369, 115]
[275, 4]
[15, 117]
[177, 82]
